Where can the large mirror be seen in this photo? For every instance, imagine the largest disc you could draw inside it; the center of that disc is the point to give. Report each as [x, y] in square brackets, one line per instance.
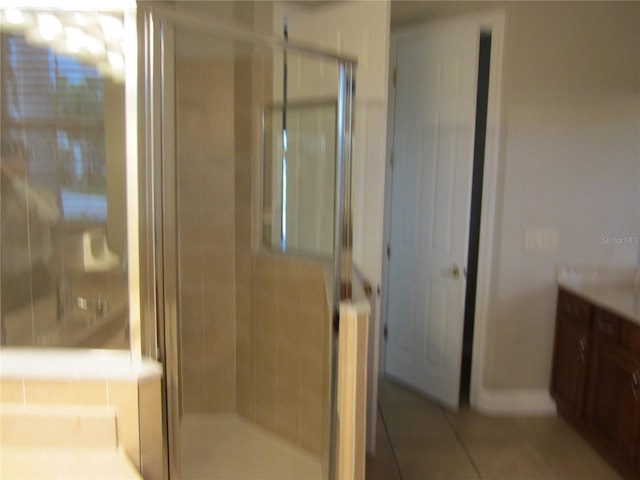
[63, 210]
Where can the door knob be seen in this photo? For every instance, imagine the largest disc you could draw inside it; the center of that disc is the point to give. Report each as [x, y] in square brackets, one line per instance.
[455, 271]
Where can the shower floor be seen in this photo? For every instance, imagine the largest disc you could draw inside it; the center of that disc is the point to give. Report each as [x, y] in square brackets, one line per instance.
[217, 447]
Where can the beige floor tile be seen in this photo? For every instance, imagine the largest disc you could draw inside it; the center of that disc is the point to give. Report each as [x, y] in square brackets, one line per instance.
[508, 459]
[543, 430]
[419, 440]
[392, 395]
[437, 461]
[382, 466]
[470, 426]
[568, 455]
[576, 463]
[416, 425]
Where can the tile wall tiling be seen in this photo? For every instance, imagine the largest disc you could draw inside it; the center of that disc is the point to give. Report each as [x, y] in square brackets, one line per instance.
[254, 324]
[123, 396]
[245, 325]
[266, 403]
[311, 422]
[292, 365]
[192, 387]
[64, 392]
[137, 410]
[244, 105]
[206, 226]
[12, 391]
[151, 446]
[220, 386]
[205, 105]
[59, 426]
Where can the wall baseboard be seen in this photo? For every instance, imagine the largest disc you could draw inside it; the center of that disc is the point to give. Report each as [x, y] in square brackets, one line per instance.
[515, 402]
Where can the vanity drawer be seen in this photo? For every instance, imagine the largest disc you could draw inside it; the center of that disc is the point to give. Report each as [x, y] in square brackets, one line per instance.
[606, 326]
[573, 306]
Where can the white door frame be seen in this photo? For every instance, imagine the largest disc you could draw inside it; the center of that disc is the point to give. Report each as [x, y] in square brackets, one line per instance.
[491, 190]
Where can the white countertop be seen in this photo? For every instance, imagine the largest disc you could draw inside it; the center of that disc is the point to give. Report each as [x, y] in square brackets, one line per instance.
[75, 364]
[610, 288]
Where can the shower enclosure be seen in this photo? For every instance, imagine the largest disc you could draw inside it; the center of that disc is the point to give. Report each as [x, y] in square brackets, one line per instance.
[250, 142]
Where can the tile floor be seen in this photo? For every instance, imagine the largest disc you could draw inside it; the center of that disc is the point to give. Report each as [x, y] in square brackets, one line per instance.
[418, 440]
[227, 447]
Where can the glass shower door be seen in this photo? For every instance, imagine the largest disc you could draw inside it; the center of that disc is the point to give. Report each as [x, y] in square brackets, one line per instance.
[249, 331]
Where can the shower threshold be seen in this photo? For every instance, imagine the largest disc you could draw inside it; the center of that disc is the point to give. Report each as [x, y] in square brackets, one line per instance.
[226, 446]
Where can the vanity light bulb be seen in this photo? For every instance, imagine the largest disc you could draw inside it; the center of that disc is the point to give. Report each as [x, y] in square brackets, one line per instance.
[14, 16]
[75, 39]
[93, 45]
[116, 60]
[50, 26]
[111, 26]
[81, 19]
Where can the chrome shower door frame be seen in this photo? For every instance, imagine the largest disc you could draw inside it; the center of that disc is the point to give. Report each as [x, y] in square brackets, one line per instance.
[157, 196]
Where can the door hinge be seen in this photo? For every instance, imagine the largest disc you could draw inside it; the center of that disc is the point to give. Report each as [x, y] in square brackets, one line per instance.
[395, 75]
[388, 250]
[392, 160]
[385, 332]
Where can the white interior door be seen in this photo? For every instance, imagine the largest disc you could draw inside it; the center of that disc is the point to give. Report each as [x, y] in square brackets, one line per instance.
[430, 199]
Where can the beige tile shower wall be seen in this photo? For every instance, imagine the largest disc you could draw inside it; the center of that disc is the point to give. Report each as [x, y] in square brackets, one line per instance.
[292, 333]
[253, 89]
[150, 422]
[245, 101]
[206, 225]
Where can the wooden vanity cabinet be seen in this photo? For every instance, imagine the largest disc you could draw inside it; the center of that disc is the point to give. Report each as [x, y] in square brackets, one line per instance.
[596, 378]
[571, 355]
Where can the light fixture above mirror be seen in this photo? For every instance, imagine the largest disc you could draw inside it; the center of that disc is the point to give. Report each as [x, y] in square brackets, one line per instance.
[95, 38]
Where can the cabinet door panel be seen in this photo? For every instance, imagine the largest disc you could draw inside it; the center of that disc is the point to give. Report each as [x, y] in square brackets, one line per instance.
[613, 408]
[570, 358]
[573, 306]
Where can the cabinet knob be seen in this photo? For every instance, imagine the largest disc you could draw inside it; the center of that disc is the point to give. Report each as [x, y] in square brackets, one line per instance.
[455, 271]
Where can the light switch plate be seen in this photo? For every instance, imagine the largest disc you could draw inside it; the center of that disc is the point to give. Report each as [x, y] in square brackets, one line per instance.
[541, 239]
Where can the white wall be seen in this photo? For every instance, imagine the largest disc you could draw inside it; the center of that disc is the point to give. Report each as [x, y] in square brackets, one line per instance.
[571, 161]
